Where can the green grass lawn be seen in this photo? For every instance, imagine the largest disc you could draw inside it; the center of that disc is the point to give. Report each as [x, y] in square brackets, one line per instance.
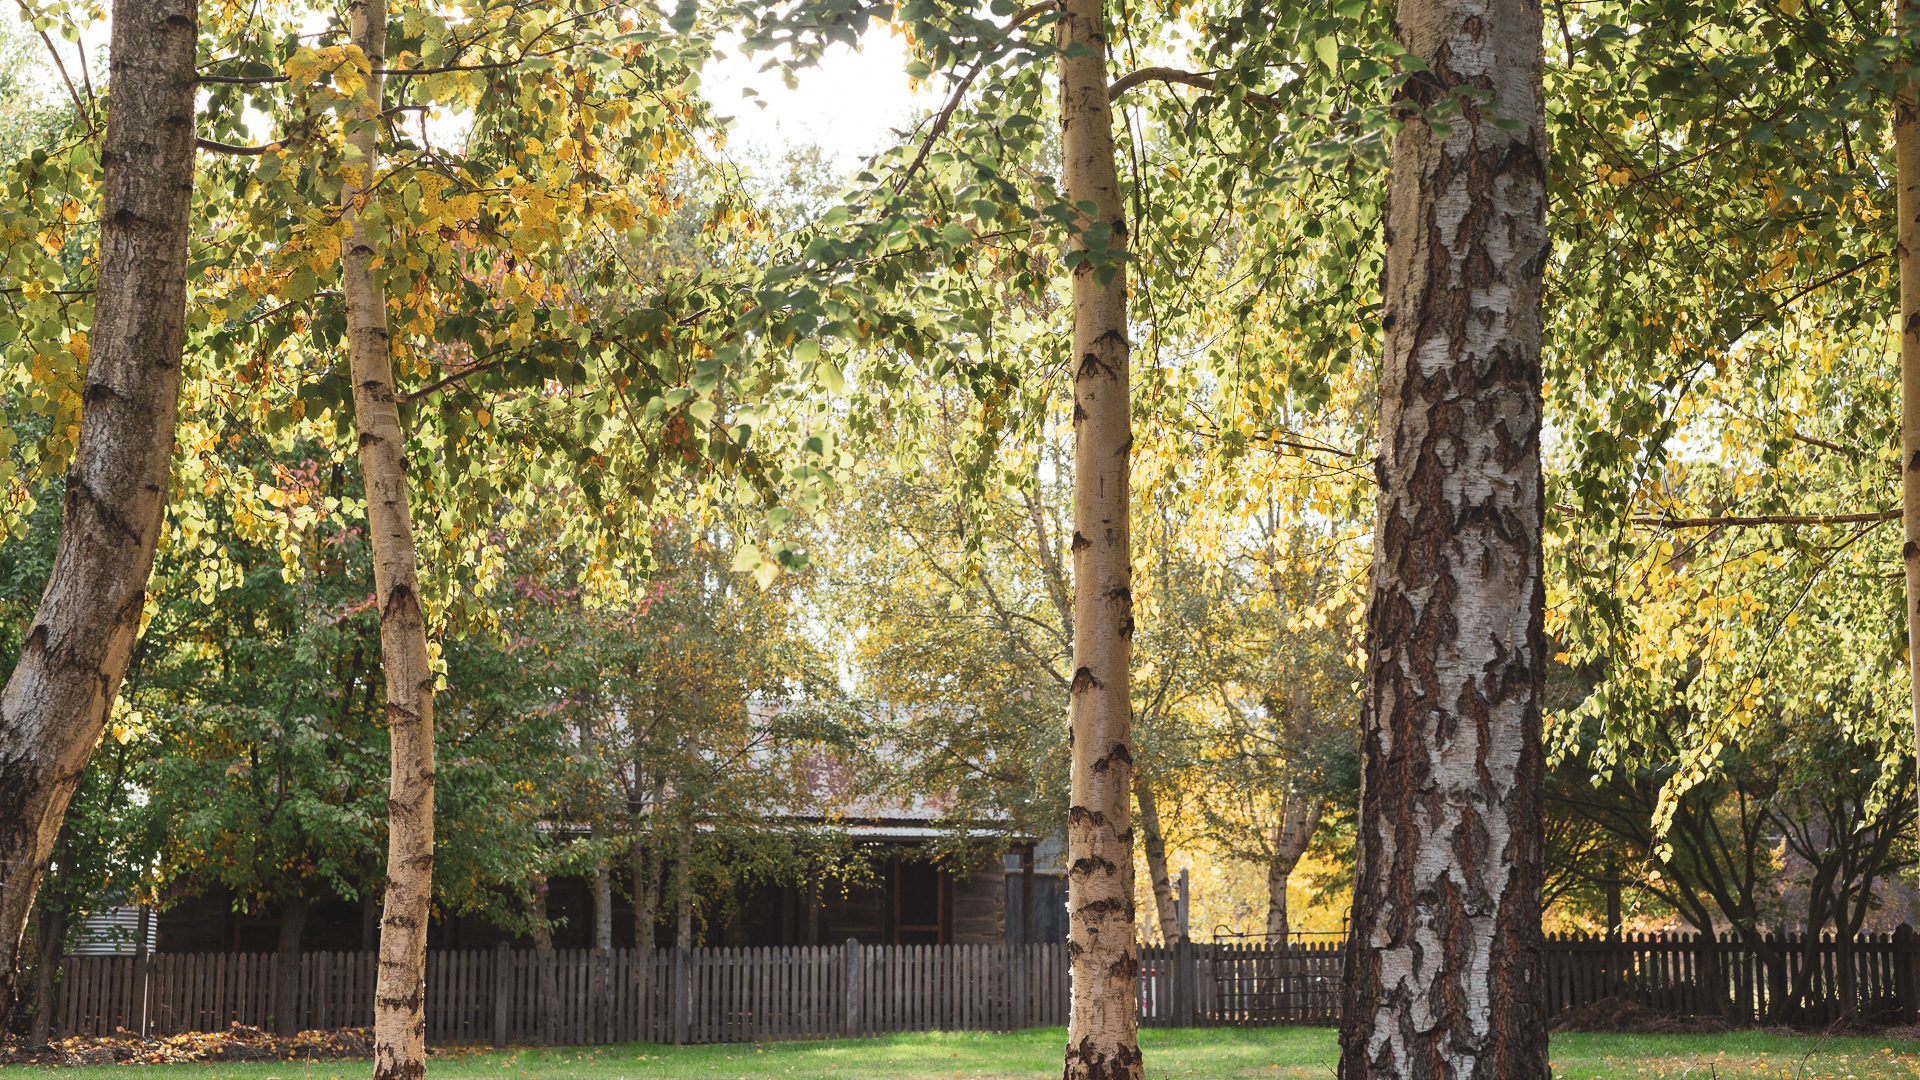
[1212, 1054]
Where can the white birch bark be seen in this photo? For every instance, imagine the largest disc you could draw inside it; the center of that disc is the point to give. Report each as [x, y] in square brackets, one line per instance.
[1102, 1029]
[1443, 974]
[1906, 164]
[399, 1016]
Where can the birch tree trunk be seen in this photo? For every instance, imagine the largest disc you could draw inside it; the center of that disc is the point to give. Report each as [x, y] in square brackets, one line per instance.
[1443, 971]
[1155, 844]
[1102, 1037]
[1906, 164]
[399, 1018]
[1289, 842]
[55, 704]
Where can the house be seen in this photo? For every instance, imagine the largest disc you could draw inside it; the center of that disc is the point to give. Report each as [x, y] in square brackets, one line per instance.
[1017, 895]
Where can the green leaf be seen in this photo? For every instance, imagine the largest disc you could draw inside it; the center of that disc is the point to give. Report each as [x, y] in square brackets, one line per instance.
[747, 558]
[1327, 50]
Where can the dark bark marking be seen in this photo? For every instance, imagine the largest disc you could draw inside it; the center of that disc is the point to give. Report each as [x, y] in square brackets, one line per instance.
[1087, 866]
[1083, 681]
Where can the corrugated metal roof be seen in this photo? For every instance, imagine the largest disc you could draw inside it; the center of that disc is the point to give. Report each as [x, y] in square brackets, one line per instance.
[114, 931]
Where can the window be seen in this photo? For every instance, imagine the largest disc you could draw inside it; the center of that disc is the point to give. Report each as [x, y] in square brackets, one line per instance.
[919, 903]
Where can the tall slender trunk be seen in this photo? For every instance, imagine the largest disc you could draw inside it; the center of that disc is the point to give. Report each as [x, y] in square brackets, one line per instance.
[1155, 843]
[399, 1019]
[286, 989]
[535, 901]
[1300, 817]
[682, 887]
[602, 906]
[1444, 958]
[80, 640]
[1906, 166]
[646, 893]
[1102, 1030]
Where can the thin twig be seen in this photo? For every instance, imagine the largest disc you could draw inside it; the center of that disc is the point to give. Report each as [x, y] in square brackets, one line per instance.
[291, 303]
[953, 100]
[61, 65]
[85, 79]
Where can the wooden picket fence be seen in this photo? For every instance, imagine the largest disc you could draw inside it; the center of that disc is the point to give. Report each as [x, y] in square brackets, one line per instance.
[503, 997]
[1751, 981]
[1241, 985]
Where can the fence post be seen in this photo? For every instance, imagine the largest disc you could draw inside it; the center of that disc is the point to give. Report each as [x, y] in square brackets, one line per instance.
[852, 955]
[1180, 957]
[1903, 974]
[1017, 962]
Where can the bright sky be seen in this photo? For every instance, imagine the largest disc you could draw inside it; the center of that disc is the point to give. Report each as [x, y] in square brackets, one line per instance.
[847, 104]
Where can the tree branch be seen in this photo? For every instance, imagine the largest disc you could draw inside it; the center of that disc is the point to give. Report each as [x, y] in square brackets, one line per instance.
[230, 148]
[453, 378]
[1765, 519]
[1175, 75]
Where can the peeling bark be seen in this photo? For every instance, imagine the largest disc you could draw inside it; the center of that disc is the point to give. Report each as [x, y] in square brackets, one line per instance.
[399, 1016]
[1443, 973]
[56, 702]
[1102, 1030]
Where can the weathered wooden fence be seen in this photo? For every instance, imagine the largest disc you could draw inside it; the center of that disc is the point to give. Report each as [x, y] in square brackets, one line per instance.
[1775, 978]
[503, 997]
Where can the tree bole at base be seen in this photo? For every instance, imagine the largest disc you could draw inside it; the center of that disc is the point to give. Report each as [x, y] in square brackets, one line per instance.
[1444, 973]
[77, 647]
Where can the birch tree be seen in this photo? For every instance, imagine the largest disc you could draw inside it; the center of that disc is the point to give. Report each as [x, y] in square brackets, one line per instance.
[1102, 1037]
[1906, 165]
[57, 700]
[1443, 969]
